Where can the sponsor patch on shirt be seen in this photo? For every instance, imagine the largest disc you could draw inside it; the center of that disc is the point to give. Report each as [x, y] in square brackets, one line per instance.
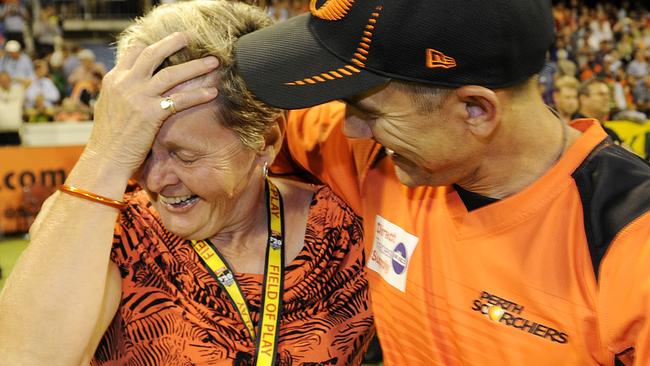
[391, 252]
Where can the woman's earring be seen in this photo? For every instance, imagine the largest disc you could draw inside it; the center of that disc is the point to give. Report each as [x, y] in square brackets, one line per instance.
[265, 170]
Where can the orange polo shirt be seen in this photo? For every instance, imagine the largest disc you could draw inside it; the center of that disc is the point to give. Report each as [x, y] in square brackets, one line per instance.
[510, 283]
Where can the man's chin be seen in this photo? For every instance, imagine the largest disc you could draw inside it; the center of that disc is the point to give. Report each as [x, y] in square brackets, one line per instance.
[412, 177]
[409, 179]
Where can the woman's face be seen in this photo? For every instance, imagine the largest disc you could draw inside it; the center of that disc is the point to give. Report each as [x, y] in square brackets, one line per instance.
[199, 175]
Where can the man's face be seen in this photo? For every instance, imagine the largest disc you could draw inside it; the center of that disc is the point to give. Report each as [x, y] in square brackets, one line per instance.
[596, 103]
[42, 70]
[427, 148]
[566, 100]
[87, 63]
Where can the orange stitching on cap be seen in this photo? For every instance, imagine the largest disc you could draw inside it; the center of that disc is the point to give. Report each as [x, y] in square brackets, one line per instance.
[357, 62]
[360, 57]
[437, 59]
[332, 9]
[352, 68]
[344, 72]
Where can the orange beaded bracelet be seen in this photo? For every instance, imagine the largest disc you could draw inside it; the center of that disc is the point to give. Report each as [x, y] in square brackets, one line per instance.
[92, 197]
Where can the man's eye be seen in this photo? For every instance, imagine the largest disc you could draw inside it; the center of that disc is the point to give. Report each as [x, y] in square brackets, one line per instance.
[367, 115]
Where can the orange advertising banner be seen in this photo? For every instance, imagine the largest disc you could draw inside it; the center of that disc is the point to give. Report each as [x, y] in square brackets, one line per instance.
[28, 175]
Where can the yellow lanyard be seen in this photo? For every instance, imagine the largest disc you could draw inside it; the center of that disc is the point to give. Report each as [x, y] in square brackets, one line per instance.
[266, 342]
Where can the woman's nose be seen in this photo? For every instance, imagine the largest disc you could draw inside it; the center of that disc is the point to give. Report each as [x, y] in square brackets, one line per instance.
[158, 172]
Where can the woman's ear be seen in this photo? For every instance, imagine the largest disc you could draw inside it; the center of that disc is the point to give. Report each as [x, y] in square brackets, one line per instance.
[273, 139]
[483, 109]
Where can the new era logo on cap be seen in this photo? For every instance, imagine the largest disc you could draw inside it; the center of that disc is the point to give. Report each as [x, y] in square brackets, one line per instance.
[436, 59]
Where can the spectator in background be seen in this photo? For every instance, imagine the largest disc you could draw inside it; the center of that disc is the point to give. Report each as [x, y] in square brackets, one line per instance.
[565, 96]
[565, 67]
[72, 111]
[42, 87]
[17, 64]
[70, 59]
[39, 112]
[14, 16]
[642, 94]
[56, 72]
[625, 47]
[299, 7]
[87, 69]
[11, 109]
[279, 10]
[545, 80]
[595, 102]
[639, 66]
[47, 31]
[622, 90]
[86, 92]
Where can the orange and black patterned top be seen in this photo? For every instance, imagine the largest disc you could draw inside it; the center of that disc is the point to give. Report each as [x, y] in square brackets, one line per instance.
[173, 312]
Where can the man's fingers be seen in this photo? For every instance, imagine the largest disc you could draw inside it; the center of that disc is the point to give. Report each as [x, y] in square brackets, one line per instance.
[153, 55]
[170, 77]
[180, 101]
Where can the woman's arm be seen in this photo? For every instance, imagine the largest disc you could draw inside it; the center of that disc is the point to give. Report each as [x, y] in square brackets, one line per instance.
[62, 291]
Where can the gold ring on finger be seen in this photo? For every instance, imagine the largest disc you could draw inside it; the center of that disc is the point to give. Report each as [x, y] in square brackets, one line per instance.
[167, 104]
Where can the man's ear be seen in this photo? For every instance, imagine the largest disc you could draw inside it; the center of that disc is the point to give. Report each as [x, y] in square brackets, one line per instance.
[273, 139]
[483, 109]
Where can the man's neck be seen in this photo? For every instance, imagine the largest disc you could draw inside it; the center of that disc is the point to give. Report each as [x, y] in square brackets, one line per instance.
[530, 140]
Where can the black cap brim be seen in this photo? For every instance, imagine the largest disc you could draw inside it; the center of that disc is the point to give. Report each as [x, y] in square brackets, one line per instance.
[285, 66]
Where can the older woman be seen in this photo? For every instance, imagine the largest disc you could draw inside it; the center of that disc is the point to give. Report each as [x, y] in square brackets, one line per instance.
[212, 262]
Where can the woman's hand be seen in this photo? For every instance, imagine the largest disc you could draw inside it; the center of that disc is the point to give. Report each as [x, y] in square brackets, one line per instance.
[128, 113]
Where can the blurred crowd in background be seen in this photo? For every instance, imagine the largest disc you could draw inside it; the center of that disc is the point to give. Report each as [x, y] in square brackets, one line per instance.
[606, 44]
[598, 67]
[43, 77]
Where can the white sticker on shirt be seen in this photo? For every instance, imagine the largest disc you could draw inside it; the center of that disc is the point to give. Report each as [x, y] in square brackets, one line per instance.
[391, 252]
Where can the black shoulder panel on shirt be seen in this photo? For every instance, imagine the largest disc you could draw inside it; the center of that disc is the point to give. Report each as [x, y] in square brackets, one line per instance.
[614, 186]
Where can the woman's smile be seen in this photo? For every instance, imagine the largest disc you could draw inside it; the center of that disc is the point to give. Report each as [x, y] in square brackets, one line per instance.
[178, 203]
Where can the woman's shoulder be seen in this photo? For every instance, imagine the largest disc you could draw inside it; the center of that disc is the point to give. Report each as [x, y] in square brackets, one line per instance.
[319, 201]
[294, 191]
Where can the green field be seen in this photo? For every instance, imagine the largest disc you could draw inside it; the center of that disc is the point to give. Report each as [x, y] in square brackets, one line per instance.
[10, 249]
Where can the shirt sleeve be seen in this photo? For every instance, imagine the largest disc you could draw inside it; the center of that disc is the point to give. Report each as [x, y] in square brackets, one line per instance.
[624, 294]
[315, 143]
[50, 92]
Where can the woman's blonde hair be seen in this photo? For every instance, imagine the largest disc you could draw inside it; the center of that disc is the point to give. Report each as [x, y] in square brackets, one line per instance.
[212, 27]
